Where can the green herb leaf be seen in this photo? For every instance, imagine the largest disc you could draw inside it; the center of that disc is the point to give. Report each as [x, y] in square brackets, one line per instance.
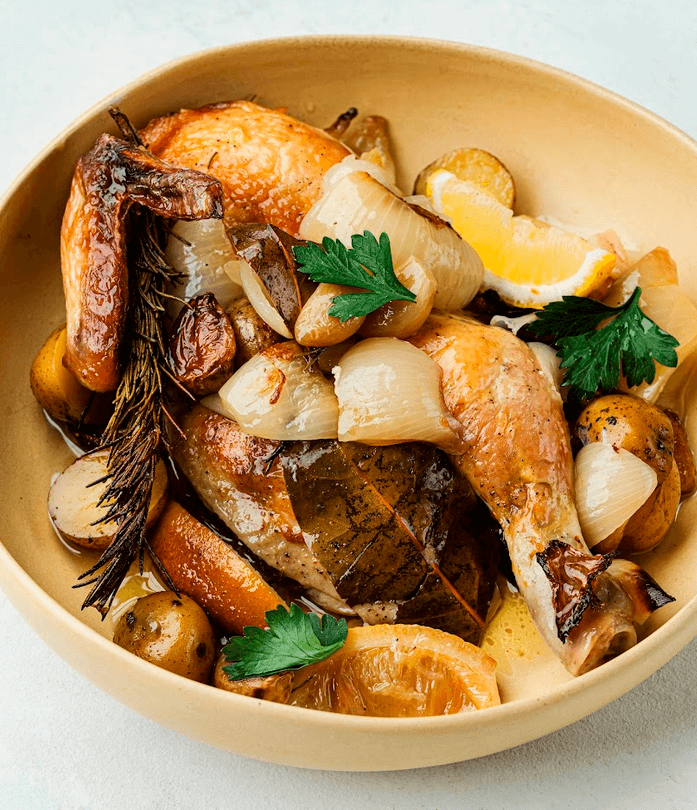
[367, 264]
[294, 640]
[593, 358]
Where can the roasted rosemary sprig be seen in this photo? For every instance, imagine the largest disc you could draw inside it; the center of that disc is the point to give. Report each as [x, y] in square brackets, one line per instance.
[137, 429]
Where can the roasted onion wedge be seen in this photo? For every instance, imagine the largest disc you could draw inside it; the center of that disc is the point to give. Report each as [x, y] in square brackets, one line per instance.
[389, 392]
[353, 202]
[279, 394]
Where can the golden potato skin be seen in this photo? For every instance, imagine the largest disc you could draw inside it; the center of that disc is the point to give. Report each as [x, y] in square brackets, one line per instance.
[683, 455]
[54, 387]
[479, 167]
[171, 632]
[251, 333]
[650, 524]
[630, 423]
[275, 688]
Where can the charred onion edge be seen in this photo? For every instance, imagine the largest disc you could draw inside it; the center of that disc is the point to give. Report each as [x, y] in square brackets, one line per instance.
[553, 560]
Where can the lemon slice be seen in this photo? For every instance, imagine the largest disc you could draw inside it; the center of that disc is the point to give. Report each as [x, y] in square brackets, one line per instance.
[399, 671]
[527, 262]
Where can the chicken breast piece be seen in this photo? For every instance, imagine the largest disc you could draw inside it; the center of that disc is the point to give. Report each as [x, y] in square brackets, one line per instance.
[270, 165]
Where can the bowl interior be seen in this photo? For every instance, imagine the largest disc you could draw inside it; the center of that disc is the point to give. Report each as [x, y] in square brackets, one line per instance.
[577, 153]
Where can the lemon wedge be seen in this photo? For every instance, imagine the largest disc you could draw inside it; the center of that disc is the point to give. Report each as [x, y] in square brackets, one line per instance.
[528, 262]
[399, 671]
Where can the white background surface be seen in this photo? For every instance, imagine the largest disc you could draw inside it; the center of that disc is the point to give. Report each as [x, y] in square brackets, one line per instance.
[64, 744]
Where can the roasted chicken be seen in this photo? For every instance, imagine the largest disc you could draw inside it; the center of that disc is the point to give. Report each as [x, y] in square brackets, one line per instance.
[518, 459]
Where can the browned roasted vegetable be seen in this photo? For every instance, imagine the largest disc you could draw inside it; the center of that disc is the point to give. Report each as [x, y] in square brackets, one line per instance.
[251, 333]
[202, 346]
[55, 388]
[394, 528]
[370, 139]
[633, 424]
[630, 423]
[682, 454]
[275, 688]
[206, 568]
[269, 252]
[172, 632]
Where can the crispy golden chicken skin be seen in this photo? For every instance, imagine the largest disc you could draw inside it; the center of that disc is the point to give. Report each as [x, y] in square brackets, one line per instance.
[107, 181]
[270, 165]
[517, 457]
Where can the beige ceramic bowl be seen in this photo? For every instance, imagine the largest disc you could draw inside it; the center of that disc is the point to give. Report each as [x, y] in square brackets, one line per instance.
[577, 152]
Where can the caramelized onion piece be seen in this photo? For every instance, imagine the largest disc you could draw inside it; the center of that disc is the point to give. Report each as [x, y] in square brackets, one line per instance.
[258, 296]
[279, 394]
[389, 392]
[279, 289]
[354, 201]
[252, 334]
[316, 327]
[371, 141]
[107, 180]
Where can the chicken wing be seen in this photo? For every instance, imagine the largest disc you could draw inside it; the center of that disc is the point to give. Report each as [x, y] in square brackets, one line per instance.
[107, 181]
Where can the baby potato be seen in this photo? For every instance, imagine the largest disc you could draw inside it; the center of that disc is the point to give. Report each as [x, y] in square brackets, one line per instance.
[170, 631]
[275, 688]
[73, 499]
[54, 387]
[479, 167]
[630, 423]
[252, 334]
[649, 524]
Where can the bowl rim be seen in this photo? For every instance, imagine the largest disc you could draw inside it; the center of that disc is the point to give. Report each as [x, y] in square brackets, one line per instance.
[661, 645]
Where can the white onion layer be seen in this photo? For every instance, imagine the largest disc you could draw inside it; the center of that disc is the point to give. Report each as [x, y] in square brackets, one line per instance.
[389, 392]
[610, 486]
[356, 202]
[351, 164]
[279, 395]
[205, 259]
[260, 299]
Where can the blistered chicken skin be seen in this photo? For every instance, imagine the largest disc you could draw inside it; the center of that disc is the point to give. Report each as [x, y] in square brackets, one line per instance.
[517, 457]
[270, 165]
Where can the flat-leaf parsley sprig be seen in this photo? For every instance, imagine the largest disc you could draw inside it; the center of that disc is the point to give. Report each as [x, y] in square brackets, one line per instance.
[294, 640]
[367, 264]
[593, 358]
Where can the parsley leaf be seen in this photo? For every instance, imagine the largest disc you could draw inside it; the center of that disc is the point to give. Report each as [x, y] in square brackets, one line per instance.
[593, 357]
[294, 639]
[367, 264]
